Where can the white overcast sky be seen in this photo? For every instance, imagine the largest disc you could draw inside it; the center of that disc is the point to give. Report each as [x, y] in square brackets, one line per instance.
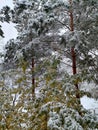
[6, 2]
[9, 29]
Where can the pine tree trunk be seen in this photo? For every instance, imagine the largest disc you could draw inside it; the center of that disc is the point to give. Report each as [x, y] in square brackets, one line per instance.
[74, 68]
[33, 79]
[73, 54]
[32, 68]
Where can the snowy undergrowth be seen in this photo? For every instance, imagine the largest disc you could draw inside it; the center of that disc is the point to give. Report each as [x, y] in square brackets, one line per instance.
[52, 106]
[56, 106]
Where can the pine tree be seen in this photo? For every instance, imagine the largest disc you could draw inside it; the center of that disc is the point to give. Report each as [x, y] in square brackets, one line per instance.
[55, 105]
[85, 18]
[42, 20]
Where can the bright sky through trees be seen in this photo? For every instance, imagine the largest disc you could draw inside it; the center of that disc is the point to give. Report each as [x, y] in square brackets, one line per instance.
[9, 29]
[6, 2]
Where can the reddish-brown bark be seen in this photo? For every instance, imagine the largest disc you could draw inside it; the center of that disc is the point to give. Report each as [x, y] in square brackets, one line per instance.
[73, 54]
[33, 78]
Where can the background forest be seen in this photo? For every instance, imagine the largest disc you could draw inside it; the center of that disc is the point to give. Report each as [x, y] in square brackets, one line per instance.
[43, 75]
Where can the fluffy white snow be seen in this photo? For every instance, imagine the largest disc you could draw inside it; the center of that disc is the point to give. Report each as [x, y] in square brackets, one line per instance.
[89, 103]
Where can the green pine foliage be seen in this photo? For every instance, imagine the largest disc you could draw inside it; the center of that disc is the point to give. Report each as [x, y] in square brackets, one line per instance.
[55, 105]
